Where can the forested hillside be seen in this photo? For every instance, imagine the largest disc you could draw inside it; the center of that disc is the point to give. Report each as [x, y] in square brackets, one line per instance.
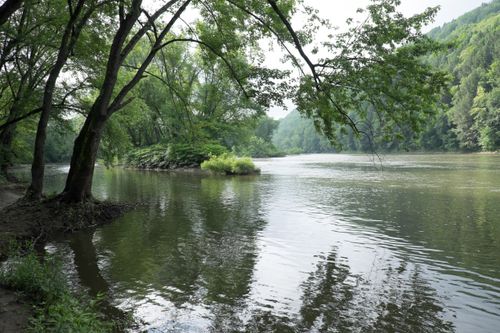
[474, 63]
[296, 134]
[468, 120]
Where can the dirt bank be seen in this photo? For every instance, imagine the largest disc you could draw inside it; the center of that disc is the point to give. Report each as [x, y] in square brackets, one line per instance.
[36, 221]
[14, 312]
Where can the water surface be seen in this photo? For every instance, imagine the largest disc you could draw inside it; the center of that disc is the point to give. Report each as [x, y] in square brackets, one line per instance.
[316, 243]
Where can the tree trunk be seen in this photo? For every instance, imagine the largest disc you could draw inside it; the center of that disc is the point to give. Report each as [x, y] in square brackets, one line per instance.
[6, 138]
[71, 33]
[38, 165]
[79, 182]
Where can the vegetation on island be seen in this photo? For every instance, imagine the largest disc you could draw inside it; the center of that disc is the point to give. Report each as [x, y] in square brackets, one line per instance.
[172, 156]
[229, 164]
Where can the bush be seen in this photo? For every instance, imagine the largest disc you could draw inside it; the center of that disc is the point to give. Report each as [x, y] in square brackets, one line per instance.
[172, 156]
[229, 164]
[57, 310]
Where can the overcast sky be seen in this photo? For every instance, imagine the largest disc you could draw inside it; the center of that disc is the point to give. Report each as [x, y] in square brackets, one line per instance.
[337, 11]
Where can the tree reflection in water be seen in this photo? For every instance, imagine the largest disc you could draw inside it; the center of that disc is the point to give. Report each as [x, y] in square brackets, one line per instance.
[334, 300]
[85, 260]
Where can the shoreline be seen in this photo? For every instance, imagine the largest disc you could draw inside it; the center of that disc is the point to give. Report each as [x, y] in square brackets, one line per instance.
[38, 222]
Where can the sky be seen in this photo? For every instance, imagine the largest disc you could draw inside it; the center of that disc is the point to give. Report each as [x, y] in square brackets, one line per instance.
[337, 11]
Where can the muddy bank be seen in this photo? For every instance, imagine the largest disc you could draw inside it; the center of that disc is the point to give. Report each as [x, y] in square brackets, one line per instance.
[38, 221]
[15, 311]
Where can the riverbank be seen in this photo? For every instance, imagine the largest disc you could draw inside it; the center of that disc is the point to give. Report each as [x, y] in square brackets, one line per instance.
[15, 311]
[42, 289]
[34, 223]
[38, 221]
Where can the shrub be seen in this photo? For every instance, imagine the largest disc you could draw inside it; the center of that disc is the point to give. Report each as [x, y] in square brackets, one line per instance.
[229, 164]
[243, 166]
[57, 310]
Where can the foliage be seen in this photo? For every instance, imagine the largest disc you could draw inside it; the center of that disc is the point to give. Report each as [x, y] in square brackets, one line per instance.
[229, 164]
[41, 281]
[469, 118]
[258, 143]
[374, 67]
[257, 147]
[172, 156]
[297, 134]
[187, 98]
[59, 143]
[57, 310]
[68, 314]
[474, 97]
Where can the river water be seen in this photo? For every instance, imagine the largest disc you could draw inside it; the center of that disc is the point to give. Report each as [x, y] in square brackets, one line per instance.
[316, 243]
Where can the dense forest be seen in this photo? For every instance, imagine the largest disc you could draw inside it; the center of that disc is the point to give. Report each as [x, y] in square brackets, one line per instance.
[469, 116]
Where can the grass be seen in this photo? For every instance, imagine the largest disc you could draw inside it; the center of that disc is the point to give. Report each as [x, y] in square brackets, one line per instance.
[56, 308]
[230, 165]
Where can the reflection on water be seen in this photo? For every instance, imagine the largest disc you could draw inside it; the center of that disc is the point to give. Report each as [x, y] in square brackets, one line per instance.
[318, 243]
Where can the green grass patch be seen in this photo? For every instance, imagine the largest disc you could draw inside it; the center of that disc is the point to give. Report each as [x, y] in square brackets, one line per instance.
[56, 308]
[229, 164]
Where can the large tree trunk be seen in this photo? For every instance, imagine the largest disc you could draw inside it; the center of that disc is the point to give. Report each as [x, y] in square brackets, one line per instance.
[79, 182]
[38, 165]
[69, 38]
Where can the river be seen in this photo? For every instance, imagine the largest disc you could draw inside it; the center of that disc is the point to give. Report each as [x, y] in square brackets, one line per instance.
[316, 243]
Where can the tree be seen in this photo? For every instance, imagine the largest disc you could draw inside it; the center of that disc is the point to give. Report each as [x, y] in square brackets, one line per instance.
[79, 181]
[25, 62]
[79, 12]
